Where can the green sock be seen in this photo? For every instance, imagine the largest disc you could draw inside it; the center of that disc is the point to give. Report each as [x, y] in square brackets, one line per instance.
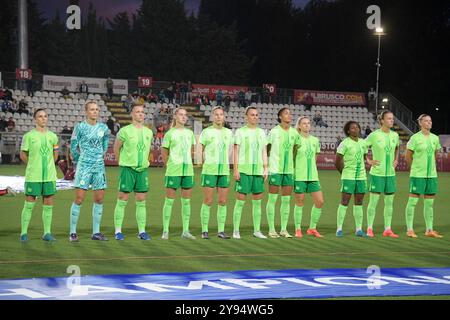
[221, 218]
[204, 216]
[141, 215]
[388, 210]
[97, 211]
[74, 214]
[270, 211]
[119, 213]
[256, 209]
[342, 211]
[428, 213]
[358, 214]
[26, 216]
[409, 212]
[372, 209]
[237, 213]
[167, 212]
[285, 211]
[47, 212]
[185, 213]
[298, 212]
[315, 216]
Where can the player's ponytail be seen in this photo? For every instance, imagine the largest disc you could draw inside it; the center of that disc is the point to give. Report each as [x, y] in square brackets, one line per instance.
[381, 115]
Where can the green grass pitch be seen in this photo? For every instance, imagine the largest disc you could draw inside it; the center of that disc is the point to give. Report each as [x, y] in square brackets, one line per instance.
[39, 259]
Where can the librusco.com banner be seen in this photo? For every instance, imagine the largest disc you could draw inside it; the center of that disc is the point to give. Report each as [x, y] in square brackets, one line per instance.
[95, 85]
[330, 98]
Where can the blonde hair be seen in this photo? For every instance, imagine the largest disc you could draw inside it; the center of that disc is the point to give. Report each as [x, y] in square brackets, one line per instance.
[174, 121]
[88, 103]
[300, 120]
[420, 118]
[382, 114]
[217, 108]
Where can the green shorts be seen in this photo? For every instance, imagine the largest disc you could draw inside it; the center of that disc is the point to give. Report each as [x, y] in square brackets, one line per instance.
[131, 180]
[423, 185]
[183, 182]
[354, 186]
[214, 181]
[382, 184]
[281, 179]
[37, 189]
[250, 184]
[307, 186]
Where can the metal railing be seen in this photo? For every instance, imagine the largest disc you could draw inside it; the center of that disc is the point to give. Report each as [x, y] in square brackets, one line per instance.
[401, 112]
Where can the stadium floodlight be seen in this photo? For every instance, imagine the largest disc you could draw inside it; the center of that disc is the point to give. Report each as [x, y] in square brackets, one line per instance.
[385, 100]
[378, 32]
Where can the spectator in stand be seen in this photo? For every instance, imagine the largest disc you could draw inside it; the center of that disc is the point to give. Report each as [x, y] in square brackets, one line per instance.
[219, 96]
[29, 85]
[3, 124]
[197, 102]
[227, 103]
[368, 131]
[151, 97]
[308, 102]
[10, 124]
[23, 107]
[116, 127]
[110, 124]
[319, 120]
[161, 96]
[110, 87]
[189, 91]
[205, 100]
[183, 92]
[338, 141]
[241, 99]
[170, 94]
[266, 95]
[2, 94]
[14, 107]
[65, 92]
[84, 90]
[160, 131]
[372, 94]
[248, 97]
[6, 106]
[8, 94]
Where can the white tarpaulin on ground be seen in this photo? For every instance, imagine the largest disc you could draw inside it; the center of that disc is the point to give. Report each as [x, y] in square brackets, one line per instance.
[95, 85]
[17, 183]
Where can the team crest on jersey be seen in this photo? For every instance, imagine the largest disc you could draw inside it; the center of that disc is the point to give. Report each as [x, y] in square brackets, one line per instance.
[101, 134]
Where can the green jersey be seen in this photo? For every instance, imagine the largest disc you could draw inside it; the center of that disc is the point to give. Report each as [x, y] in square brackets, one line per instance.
[305, 161]
[383, 147]
[179, 141]
[353, 153]
[136, 147]
[217, 144]
[424, 160]
[251, 144]
[281, 160]
[40, 147]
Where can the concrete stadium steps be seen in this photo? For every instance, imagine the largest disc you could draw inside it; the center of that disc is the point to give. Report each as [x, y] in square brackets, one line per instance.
[197, 114]
[403, 135]
[119, 112]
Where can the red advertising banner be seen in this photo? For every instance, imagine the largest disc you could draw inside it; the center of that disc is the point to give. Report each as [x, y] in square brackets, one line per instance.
[23, 74]
[330, 98]
[205, 89]
[145, 82]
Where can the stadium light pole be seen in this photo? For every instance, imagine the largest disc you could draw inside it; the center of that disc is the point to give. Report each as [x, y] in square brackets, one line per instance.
[378, 32]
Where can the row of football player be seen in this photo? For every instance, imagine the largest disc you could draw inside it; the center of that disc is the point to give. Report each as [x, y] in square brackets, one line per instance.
[286, 158]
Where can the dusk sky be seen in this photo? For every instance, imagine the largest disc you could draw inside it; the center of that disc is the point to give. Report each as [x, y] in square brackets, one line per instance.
[109, 8]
